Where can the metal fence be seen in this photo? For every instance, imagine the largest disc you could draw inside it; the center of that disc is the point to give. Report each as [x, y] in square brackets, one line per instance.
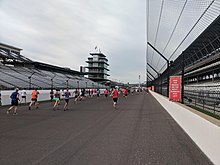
[204, 97]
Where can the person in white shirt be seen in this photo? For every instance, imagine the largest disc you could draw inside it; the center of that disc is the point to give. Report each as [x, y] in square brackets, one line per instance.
[23, 96]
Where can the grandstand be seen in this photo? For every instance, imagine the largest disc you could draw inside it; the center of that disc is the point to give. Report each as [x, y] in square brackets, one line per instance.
[199, 64]
[18, 71]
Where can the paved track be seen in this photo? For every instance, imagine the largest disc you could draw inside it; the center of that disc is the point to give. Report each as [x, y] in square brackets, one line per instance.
[140, 131]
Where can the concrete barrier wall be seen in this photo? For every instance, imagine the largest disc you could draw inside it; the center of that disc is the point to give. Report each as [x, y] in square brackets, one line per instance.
[43, 96]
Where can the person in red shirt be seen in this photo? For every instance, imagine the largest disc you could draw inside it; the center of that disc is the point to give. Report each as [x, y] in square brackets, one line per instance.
[125, 92]
[106, 93]
[34, 96]
[115, 97]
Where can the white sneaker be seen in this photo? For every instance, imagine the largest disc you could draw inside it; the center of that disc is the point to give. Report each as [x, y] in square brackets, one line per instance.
[8, 111]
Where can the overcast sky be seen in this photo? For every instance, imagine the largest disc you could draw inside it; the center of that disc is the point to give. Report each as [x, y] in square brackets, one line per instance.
[63, 32]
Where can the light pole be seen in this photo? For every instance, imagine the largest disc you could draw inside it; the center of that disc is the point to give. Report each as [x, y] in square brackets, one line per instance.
[67, 83]
[183, 70]
[52, 81]
[78, 84]
[30, 79]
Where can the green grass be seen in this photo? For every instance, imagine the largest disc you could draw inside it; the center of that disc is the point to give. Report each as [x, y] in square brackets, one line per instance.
[205, 112]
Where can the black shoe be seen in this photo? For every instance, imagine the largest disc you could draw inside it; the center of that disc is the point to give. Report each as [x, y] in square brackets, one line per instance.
[29, 108]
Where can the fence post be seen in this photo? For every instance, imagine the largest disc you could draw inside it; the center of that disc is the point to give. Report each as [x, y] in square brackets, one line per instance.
[214, 106]
[203, 100]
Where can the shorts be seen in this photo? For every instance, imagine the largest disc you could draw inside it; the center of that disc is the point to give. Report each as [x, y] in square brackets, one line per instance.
[35, 100]
[126, 94]
[106, 95]
[67, 100]
[14, 102]
[115, 100]
[76, 96]
[56, 98]
[23, 97]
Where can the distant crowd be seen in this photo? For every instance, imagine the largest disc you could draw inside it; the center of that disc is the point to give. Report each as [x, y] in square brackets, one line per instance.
[57, 95]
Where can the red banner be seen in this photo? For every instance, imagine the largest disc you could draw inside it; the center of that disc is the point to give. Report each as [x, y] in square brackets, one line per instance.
[152, 88]
[175, 88]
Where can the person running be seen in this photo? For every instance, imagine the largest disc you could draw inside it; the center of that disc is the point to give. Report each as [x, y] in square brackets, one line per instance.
[34, 96]
[106, 93]
[82, 94]
[14, 102]
[98, 93]
[94, 92]
[125, 93]
[57, 99]
[23, 95]
[62, 94]
[115, 97]
[76, 93]
[67, 95]
[51, 95]
[132, 91]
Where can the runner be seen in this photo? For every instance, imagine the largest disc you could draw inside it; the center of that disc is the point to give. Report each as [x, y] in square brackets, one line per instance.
[76, 96]
[57, 99]
[132, 91]
[93, 92]
[51, 95]
[125, 93]
[34, 97]
[62, 94]
[23, 95]
[67, 95]
[14, 102]
[115, 96]
[106, 93]
[98, 93]
[82, 94]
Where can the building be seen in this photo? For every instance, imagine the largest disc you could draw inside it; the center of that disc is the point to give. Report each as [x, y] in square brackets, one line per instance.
[97, 67]
[17, 71]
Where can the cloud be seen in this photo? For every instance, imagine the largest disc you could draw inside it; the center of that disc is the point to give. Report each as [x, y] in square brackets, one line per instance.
[64, 32]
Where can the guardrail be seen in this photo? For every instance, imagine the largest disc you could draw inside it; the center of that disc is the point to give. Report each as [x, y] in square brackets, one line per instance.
[203, 99]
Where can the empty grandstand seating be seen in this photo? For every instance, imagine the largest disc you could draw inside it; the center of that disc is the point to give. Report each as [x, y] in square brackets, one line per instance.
[22, 77]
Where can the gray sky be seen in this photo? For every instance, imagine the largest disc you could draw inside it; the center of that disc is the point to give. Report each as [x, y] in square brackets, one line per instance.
[64, 32]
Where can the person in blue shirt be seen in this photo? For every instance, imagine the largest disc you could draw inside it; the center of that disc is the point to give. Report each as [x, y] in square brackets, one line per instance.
[14, 102]
[67, 95]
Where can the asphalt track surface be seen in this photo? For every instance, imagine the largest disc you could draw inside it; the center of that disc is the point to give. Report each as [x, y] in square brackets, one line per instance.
[139, 132]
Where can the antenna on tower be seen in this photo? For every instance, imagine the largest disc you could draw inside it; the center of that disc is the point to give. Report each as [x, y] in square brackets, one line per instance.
[97, 49]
